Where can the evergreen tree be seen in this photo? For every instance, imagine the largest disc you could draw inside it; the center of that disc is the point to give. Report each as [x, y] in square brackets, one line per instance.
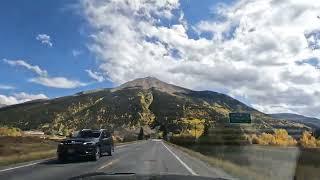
[165, 133]
[141, 134]
[206, 129]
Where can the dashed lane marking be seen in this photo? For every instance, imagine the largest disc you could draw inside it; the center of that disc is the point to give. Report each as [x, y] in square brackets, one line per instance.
[108, 164]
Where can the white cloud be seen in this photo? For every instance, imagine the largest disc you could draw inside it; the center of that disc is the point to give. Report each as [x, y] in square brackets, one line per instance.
[20, 98]
[95, 75]
[6, 87]
[35, 69]
[44, 39]
[253, 52]
[57, 82]
[76, 53]
[43, 77]
[28, 97]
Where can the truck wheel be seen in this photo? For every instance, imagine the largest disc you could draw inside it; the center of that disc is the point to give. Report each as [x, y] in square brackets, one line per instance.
[110, 152]
[61, 159]
[97, 154]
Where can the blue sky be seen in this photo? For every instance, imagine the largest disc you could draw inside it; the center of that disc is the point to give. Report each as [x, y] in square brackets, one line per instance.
[22, 21]
[265, 57]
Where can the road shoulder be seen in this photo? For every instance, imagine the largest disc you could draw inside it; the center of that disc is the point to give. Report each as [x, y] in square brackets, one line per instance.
[200, 167]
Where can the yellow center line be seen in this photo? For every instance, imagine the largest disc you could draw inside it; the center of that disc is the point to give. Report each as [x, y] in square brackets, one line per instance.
[109, 164]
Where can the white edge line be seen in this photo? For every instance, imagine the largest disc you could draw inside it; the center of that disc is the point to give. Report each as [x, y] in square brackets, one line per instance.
[8, 169]
[184, 164]
[26, 165]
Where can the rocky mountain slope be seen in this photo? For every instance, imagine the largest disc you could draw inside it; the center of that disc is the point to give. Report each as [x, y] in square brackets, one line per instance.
[141, 102]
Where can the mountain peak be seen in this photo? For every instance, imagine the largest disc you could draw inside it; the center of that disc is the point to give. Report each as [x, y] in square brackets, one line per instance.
[151, 82]
[147, 79]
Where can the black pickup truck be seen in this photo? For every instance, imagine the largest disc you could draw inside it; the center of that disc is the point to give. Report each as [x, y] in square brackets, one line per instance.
[86, 143]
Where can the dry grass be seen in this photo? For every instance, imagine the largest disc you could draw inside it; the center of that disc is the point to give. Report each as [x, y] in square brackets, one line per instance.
[13, 159]
[10, 131]
[308, 165]
[20, 149]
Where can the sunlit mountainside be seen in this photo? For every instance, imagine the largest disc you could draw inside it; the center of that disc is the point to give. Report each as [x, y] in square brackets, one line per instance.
[141, 102]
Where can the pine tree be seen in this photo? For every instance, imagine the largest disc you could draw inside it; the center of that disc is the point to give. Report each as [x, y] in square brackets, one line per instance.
[165, 133]
[141, 134]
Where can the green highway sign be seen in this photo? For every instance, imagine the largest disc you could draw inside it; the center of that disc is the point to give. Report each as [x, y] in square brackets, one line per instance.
[240, 118]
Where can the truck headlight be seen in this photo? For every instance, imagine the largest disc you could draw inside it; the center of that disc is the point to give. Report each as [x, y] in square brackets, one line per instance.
[88, 143]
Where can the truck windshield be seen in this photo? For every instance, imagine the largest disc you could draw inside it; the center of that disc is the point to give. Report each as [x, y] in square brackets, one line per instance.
[88, 134]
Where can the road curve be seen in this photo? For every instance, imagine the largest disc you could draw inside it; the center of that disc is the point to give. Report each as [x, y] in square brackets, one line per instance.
[145, 157]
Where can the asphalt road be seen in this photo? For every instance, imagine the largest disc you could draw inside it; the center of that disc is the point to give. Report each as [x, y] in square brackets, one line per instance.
[145, 157]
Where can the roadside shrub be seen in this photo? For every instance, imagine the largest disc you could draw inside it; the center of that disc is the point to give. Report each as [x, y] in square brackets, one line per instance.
[10, 131]
[129, 138]
[266, 139]
[211, 140]
[117, 139]
[182, 139]
[280, 138]
[254, 139]
[307, 140]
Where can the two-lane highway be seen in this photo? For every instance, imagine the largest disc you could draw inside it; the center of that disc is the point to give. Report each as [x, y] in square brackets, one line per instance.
[145, 157]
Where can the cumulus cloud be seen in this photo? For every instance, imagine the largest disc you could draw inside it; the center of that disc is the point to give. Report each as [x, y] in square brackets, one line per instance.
[252, 51]
[95, 75]
[44, 39]
[20, 98]
[43, 77]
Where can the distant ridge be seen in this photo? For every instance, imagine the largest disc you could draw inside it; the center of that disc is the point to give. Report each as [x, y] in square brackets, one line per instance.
[309, 121]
